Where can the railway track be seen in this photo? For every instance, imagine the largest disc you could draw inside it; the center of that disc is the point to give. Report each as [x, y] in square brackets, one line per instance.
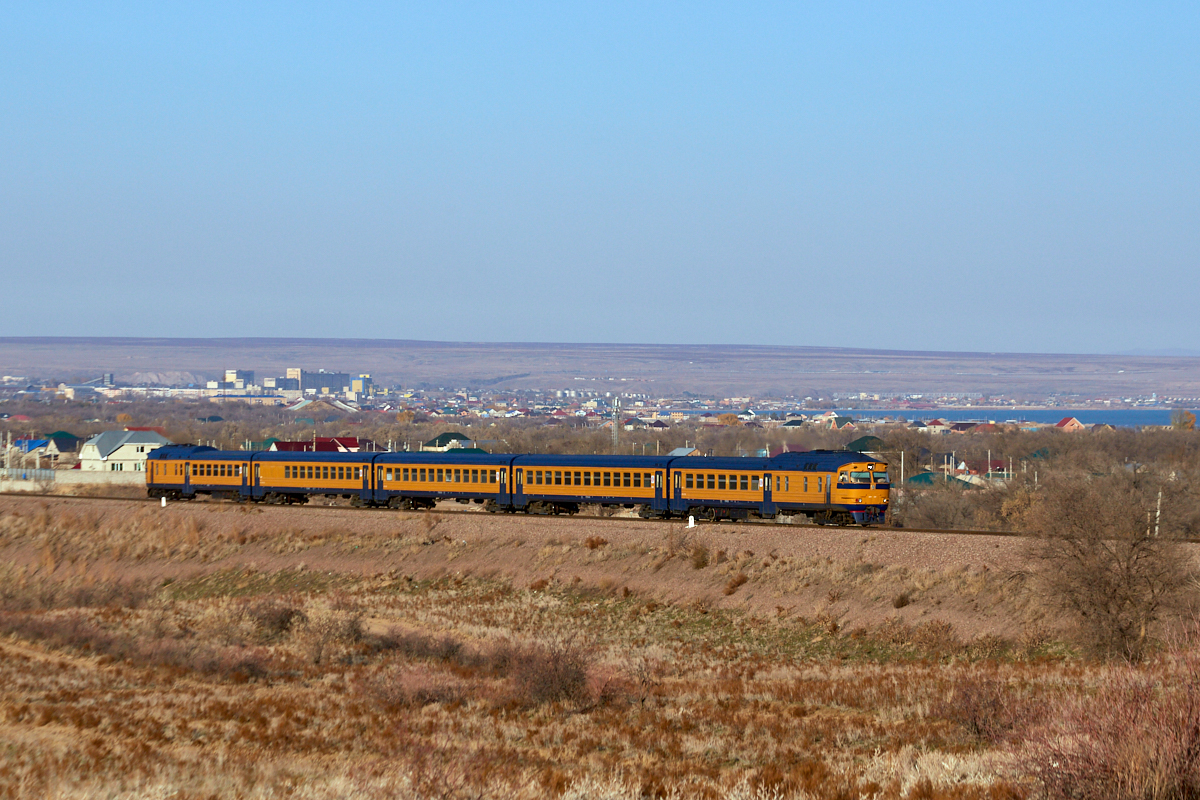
[479, 511]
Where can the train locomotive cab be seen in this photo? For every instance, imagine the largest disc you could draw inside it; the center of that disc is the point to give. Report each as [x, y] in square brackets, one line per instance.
[831, 487]
[861, 491]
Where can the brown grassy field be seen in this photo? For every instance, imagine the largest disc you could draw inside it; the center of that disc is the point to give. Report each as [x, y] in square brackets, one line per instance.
[209, 650]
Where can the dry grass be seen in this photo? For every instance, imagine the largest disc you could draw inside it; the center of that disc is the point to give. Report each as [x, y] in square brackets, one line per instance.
[271, 682]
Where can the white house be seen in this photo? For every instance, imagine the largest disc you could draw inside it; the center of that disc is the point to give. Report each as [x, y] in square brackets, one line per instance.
[119, 451]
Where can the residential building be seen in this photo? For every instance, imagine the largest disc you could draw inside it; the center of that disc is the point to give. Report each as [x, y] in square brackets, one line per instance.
[120, 451]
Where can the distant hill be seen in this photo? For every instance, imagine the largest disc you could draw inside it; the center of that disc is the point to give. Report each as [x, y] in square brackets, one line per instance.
[656, 370]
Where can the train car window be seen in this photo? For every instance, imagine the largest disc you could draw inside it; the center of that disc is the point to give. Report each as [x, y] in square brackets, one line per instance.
[721, 482]
[806, 483]
[458, 476]
[688, 482]
[389, 473]
[711, 481]
[627, 478]
[422, 478]
[778, 483]
[754, 483]
[608, 479]
[744, 483]
[474, 476]
[587, 479]
[578, 479]
[881, 477]
[358, 473]
[439, 476]
[287, 471]
[637, 480]
[818, 483]
[403, 473]
[787, 481]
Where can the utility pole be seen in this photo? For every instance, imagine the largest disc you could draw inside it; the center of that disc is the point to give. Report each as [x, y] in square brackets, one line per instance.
[616, 423]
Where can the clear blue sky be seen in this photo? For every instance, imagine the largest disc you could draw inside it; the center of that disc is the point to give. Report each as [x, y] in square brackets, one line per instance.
[1000, 176]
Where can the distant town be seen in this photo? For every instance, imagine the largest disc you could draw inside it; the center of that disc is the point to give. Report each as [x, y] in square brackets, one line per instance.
[354, 392]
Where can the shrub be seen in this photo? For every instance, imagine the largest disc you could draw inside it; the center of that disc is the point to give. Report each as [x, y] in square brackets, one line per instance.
[700, 557]
[985, 708]
[901, 600]
[548, 673]
[1138, 739]
[272, 618]
[416, 686]
[327, 628]
[539, 584]
[735, 583]
[594, 542]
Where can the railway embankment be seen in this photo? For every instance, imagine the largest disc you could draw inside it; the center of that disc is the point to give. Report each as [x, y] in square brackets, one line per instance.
[849, 578]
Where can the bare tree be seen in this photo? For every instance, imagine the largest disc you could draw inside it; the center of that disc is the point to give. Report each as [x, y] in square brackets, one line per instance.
[1107, 560]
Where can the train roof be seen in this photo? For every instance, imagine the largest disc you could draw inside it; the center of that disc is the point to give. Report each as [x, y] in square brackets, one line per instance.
[448, 457]
[702, 463]
[322, 456]
[176, 452]
[612, 462]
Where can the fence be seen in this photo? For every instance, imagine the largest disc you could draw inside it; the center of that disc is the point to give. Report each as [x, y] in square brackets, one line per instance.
[35, 475]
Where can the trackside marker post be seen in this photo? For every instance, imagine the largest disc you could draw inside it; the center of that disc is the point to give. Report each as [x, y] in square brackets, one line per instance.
[164, 502]
[691, 520]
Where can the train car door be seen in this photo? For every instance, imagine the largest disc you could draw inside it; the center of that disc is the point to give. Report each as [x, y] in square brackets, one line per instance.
[518, 489]
[768, 501]
[658, 489]
[502, 492]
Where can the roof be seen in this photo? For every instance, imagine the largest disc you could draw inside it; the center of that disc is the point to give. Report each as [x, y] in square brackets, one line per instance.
[109, 442]
[930, 478]
[683, 451]
[444, 439]
[61, 435]
[865, 443]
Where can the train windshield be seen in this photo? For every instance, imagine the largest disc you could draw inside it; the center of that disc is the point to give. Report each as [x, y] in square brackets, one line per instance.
[856, 477]
[881, 477]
